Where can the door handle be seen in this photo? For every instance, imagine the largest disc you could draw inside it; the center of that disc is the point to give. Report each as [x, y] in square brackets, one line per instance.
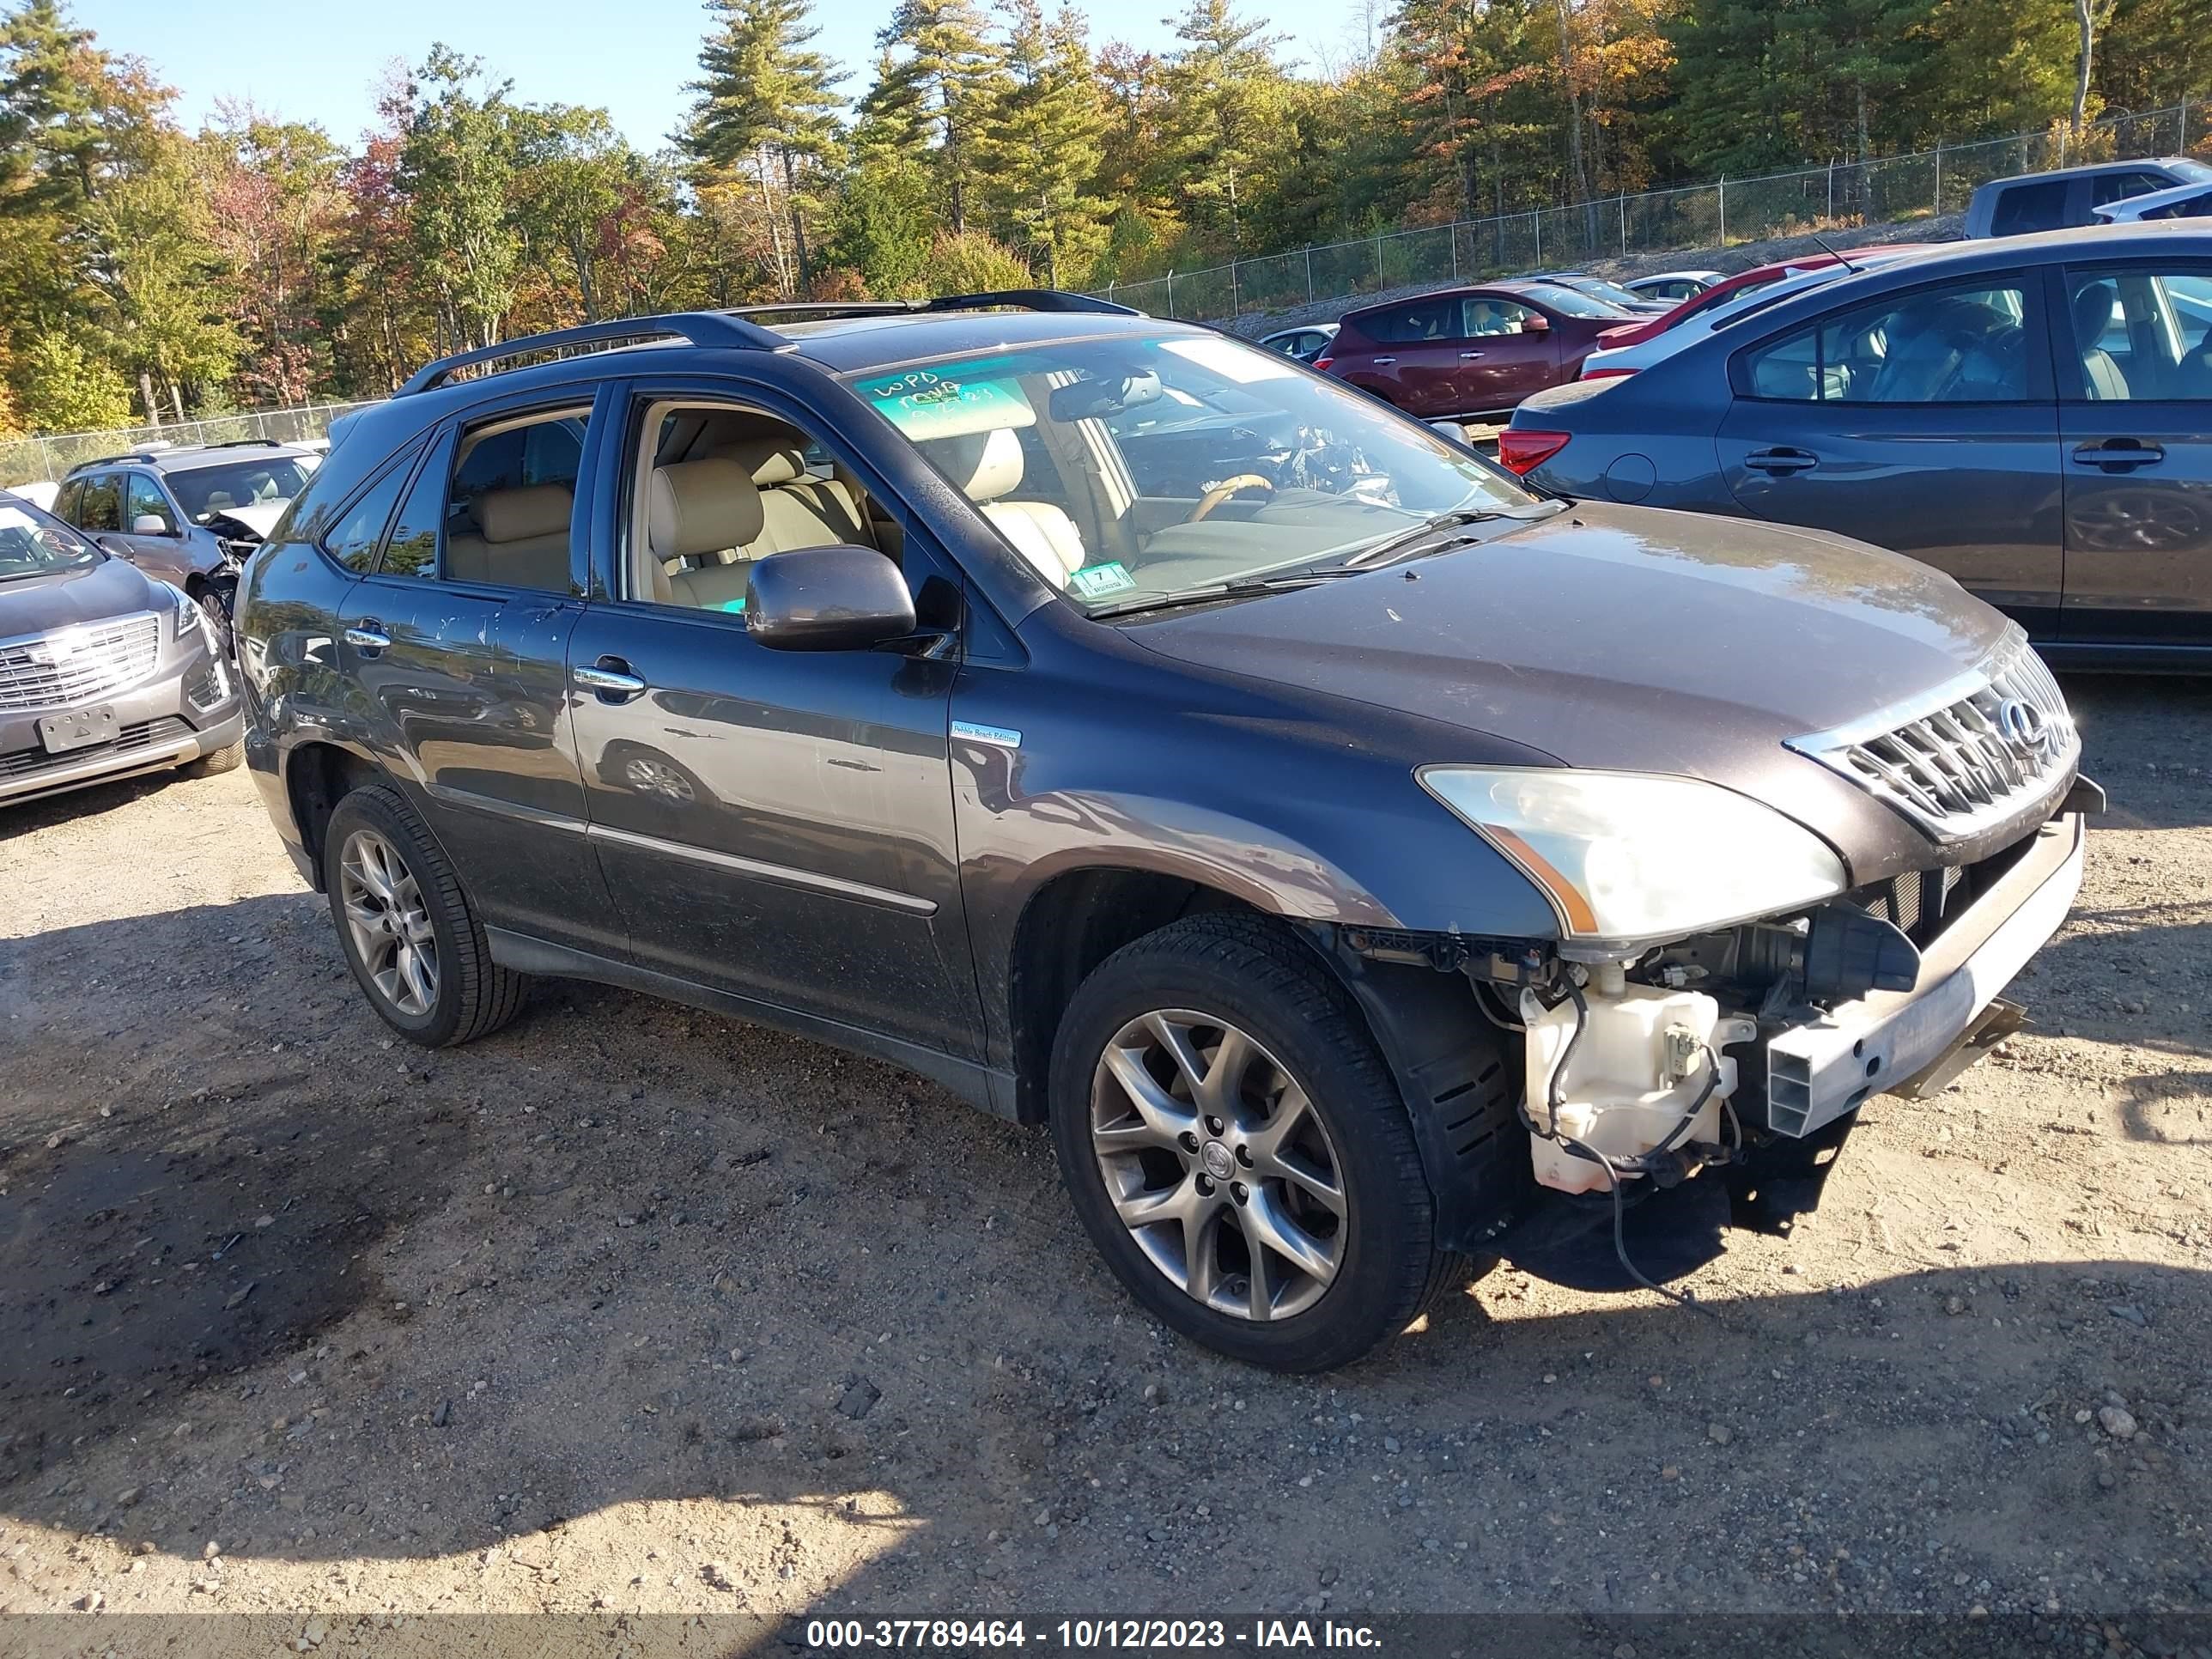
[1468, 356]
[1386, 360]
[611, 677]
[367, 636]
[2117, 454]
[1781, 460]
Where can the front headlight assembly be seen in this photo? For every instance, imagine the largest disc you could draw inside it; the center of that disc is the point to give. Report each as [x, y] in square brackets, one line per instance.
[1630, 856]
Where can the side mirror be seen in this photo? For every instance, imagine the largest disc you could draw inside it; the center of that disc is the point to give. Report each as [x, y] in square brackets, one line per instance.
[827, 598]
[150, 523]
[1535, 323]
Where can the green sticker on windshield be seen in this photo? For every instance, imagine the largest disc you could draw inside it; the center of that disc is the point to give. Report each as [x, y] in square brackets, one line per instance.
[1096, 581]
[738, 603]
[923, 404]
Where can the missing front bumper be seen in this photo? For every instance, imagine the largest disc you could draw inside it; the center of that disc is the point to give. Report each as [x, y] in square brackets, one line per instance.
[1901, 1040]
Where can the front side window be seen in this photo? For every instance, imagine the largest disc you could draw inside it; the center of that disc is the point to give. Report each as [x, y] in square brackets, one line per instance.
[145, 500]
[2119, 186]
[266, 481]
[1936, 346]
[1129, 466]
[718, 488]
[1486, 319]
[2141, 335]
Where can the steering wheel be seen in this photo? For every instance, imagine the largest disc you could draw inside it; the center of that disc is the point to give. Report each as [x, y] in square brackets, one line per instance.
[1228, 486]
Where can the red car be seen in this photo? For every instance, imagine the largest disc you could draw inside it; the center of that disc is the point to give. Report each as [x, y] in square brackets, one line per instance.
[1469, 350]
[1720, 293]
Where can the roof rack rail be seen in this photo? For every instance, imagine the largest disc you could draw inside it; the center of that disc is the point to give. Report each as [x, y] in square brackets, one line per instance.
[1025, 299]
[701, 328]
[247, 443]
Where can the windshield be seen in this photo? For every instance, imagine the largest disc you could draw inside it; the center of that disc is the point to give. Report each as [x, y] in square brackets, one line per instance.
[32, 544]
[1575, 303]
[1130, 466]
[1598, 288]
[270, 480]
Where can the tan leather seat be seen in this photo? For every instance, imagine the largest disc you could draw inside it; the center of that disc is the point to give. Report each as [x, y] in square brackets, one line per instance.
[705, 510]
[988, 466]
[797, 509]
[524, 541]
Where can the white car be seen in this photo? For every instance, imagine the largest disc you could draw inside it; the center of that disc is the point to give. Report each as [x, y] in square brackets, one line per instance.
[1673, 285]
[1305, 344]
[2191, 201]
[1626, 360]
[40, 495]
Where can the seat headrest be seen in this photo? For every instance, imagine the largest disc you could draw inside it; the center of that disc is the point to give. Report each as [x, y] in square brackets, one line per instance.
[701, 506]
[767, 459]
[519, 514]
[2093, 314]
[985, 465]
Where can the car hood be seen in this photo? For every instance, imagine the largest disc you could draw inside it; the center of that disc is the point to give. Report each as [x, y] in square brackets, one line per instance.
[38, 605]
[258, 517]
[1630, 638]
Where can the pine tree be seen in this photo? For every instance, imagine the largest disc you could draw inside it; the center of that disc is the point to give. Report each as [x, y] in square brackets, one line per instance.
[1039, 148]
[766, 100]
[953, 72]
[1228, 116]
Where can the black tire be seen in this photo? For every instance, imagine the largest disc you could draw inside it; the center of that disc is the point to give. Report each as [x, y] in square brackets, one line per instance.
[1270, 984]
[475, 995]
[218, 617]
[226, 759]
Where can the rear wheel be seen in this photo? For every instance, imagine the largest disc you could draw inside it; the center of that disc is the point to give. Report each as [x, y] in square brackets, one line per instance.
[229, 758]
[408, 933]
[1237, 1148]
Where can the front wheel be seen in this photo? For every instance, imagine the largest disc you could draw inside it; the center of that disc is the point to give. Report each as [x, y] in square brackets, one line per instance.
[1238, 1150]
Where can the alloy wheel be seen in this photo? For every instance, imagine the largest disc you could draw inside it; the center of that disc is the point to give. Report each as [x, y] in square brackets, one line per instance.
[390, 924]
[649, 776]
[1218, 1165]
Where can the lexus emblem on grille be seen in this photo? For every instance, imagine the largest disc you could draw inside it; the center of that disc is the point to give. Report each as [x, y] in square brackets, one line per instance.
[2025, 727]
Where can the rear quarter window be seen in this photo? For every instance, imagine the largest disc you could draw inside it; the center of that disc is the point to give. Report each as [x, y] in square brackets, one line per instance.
[2022, 209]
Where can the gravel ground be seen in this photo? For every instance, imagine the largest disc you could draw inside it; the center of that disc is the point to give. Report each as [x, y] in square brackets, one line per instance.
[630, 1310]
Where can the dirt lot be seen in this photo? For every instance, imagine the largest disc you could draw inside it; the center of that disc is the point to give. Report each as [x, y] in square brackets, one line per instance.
[631, 1308]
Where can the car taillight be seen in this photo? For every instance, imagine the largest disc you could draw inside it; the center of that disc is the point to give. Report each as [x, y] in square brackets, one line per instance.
[1322, 362]
[1523, 452]
[1605, 374]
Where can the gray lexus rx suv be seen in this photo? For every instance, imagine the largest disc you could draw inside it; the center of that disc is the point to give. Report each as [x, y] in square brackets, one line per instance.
[1356, 860]
[105, 672]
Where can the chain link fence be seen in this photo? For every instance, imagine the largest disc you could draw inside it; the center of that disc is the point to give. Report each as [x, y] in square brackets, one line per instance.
[31, 460]
[1843, 193]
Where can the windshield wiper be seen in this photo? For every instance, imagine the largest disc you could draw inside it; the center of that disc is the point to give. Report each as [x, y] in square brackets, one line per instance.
[1249, 588]
[1435, 535]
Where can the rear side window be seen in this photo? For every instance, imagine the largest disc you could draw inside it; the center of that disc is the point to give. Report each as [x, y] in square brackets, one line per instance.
[1945, 345]
[352, 540]
[2021, 209]
[101, 507]
[1410, 324]
[508, 509]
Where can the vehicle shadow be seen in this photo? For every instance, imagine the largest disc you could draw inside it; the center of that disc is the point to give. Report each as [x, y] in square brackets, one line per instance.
[270, 1279]
[2142, 715]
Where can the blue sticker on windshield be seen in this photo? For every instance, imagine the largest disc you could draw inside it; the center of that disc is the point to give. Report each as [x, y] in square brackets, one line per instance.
[1094, 581]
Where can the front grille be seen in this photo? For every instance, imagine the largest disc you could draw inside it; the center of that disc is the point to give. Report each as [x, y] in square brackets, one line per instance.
[28, 762]
[71, 664]
[1968, 757]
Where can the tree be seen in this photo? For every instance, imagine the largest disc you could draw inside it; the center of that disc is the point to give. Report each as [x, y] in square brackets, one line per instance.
[456, 168]
[1228, 117]
[1039, 150]
[274, 202]
[768, 101]
[949, 79]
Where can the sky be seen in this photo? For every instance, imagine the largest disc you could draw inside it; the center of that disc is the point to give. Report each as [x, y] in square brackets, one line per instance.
[312, 60]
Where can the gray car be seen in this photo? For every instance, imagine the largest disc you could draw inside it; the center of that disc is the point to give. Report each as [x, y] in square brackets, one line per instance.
[2069, 197]
[1357, 862]
[2032, 416]
[188, 514]
[105, 671]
